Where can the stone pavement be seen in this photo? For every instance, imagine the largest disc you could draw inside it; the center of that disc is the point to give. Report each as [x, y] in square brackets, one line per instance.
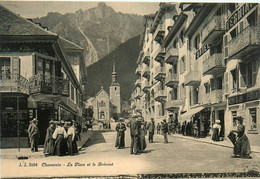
[224, 143]
[13, 153]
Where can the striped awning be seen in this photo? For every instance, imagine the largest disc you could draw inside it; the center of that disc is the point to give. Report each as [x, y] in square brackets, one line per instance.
[188, 115]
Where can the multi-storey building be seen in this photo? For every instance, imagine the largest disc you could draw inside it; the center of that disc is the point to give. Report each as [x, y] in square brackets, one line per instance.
[37, 79]
[205, 66]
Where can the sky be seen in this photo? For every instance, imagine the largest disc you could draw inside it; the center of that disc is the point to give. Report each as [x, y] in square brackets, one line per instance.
[33, 9]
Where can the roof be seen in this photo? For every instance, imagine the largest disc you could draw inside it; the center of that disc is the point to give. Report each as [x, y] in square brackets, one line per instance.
[13, 24]
[102, 89]
[69, 45]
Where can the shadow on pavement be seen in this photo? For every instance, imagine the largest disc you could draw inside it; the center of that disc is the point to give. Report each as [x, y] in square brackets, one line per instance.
[147, 151]
[96, 139]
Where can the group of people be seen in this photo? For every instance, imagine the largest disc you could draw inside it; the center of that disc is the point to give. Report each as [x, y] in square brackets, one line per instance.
[60, 137]
[138, 130]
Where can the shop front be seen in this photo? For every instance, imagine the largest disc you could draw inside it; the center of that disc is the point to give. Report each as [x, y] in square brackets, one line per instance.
[14, 120]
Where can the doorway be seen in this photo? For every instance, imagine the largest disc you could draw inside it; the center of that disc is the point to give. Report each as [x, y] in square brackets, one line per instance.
[44, 117]
[221, 116]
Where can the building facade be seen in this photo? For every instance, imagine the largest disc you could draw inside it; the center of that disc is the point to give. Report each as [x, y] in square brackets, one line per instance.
[37, 79]
[203, 66]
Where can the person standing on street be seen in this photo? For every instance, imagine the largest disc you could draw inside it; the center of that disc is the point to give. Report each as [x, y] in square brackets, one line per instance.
[120, 137]
[196, 129]
[158, 128]
[49, 142]
[216, 131]
[34, 135]
[60, 146]
[165, 130]
[141, 141]
[150, 128]
[72, 145]
[134, 134]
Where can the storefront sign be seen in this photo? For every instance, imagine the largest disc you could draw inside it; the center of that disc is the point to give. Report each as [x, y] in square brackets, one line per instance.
[250, 96]
[45, 105]
[239, 14]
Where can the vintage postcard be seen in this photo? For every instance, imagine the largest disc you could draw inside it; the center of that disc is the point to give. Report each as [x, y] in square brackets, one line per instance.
[129, 89]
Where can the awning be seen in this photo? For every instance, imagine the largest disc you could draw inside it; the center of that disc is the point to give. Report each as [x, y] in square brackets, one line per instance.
[187, 116]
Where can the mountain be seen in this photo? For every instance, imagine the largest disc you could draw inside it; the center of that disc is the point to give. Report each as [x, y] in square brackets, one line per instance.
[100, 73]
[99, 30]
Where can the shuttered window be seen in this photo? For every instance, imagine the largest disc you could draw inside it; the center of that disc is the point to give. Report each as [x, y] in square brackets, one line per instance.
[15, 66]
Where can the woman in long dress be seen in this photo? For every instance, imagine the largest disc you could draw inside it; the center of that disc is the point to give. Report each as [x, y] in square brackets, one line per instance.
[72, 145]
[242, 146]
[60, 145]
[216, 131]
[120, 137]
[49, 142]
[142, 142]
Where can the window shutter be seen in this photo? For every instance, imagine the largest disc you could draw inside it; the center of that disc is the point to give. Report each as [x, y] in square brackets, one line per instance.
[15, 66]
[226, 83]
[225, 44]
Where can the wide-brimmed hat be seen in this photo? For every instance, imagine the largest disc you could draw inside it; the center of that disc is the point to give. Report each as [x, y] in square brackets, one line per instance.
[217, 121]
[52, 122]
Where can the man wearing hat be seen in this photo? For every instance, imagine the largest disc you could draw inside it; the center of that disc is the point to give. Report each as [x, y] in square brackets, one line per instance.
[49, 142]
[34, 135]
[120, 137]
[165, 130]
[150, 129]
[134, 133]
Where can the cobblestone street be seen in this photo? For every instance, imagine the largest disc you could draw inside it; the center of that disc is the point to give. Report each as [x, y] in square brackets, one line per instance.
[178, 156]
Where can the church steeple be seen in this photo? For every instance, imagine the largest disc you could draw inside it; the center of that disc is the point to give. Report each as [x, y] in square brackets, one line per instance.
[114, 75]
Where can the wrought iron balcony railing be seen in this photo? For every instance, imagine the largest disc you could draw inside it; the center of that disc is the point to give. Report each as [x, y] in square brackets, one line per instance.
[173, 104]
[213, 64]
[14, 83]
[213, 97]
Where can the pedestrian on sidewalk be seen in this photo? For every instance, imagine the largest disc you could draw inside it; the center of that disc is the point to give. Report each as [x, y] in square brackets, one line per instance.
[141, 141]
[242, 146]
[216, 131]
[165, 130]
[72, 145]
[34, 135]
[158, 128]
[49, 142]
[150, 128]
[196, 129]
[60, 145]
[120, 137]
[134, 134]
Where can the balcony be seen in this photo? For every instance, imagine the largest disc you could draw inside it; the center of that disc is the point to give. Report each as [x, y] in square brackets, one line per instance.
[244, 43]
[159, 33]
[138, 82]
[192, 78]
[160, 95]
[214, 64]
[146, 71]
[146, 58]
[138, 70]
[171, 80]
[14, 83]
[160, 73]
[172, 56]
[214, 30]
[213, 97]
[48, 85]
[174, 104]
[159, 54]
[145, 86]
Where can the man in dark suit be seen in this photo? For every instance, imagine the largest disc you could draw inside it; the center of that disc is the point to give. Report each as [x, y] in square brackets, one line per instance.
[165, 130]
[134, 133]
[150, 129]
[33, 132]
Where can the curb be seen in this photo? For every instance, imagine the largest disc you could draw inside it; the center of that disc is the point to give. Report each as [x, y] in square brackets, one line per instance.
[208, 142]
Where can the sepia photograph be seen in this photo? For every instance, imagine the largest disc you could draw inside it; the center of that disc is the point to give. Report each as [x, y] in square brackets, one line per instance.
[129, 89]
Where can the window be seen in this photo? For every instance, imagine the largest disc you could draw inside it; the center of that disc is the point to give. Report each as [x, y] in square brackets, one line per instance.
[183, 65]
[234, 80]
[253, 123]
[115, 88]
[207, 87]
[197, 42]
[248, 72]
[252, 18]
[5, 68]
[196, 95]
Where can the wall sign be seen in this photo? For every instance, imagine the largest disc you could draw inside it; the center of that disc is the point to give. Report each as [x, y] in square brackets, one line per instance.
[250, 96]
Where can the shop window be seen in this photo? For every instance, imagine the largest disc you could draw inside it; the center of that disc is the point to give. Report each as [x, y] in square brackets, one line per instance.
[5, 68]
[253, 122]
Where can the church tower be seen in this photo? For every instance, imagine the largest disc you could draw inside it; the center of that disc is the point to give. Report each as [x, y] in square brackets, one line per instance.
[114, 89]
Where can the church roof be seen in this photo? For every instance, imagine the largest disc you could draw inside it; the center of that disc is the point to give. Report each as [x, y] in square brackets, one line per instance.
[13, 24]
[102, 89]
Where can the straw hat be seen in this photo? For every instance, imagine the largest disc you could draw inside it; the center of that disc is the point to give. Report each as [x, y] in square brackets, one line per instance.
[217, 121]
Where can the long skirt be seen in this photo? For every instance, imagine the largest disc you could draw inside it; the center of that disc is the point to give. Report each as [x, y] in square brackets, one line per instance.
[48, 146]
[142, 143]
[120, 139]
[215, 136]
[242, 146]
[60, 146]
[72, 146]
